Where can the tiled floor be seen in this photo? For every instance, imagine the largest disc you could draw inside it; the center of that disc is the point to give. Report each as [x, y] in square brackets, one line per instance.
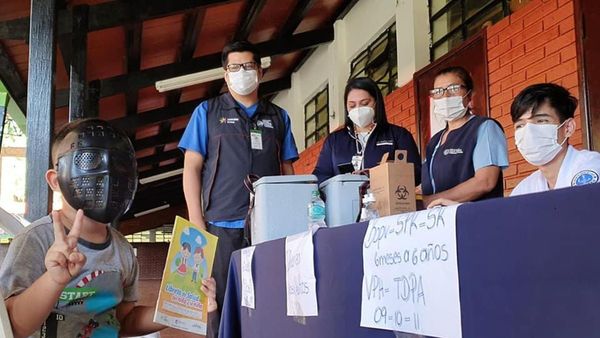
[148, 295]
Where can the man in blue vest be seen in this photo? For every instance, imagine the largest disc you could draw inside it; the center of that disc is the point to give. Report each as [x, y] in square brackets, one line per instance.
[227, 138]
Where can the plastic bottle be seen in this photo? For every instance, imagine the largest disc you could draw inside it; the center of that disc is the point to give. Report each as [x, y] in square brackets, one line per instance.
[368, 211]
[316, 212]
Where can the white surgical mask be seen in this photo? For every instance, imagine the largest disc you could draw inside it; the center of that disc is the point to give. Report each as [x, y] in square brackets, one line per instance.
[449, 108]
[362, 116]
[243, 82]
[538, 143]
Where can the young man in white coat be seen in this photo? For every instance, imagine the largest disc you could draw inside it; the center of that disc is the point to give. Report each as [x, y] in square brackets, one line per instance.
[543, 120]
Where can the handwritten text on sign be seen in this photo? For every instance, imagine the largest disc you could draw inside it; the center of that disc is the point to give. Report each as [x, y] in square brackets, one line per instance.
[410, 280]
[301, 284]
[247, 280]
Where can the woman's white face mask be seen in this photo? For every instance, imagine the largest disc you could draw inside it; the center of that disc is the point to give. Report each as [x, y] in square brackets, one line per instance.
[362, 116]
[538, 143]
[449, 108]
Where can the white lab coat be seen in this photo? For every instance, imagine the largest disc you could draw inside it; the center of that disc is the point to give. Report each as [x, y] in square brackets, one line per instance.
[579, 167]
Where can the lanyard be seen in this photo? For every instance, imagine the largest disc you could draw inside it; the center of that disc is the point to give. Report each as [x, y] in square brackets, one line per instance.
[358, 159]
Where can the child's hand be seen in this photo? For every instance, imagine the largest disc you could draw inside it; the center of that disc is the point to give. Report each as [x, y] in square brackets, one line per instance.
[209, 287]
[63, 260]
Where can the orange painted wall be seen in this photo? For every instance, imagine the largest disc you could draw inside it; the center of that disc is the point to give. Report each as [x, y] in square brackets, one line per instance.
[535, 44]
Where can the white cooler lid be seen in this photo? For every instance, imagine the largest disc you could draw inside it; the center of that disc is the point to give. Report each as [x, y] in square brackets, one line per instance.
[286, 179]
[344, 178]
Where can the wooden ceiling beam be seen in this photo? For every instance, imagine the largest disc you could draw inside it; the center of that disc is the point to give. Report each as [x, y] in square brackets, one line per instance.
[151, 221]
[163, 131]
[157, 195]
[148, 77]
[249, 16]
[131, 123]
[64, 41]
[157, 158]
[164, 186]
[78, 85]
[162, 170]
[109, 14]
[346, 6]
[133, 43]
[298, 14]
[193, 23]
[158, 140]
[194, 20]
[12, 80]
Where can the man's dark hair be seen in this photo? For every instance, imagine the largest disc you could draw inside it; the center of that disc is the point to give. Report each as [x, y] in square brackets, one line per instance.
[372, 88]
[534, 96]
[240, 46]
[462, 74]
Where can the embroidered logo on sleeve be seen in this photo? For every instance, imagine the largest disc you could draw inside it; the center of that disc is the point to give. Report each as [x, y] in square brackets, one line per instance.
[585, 177]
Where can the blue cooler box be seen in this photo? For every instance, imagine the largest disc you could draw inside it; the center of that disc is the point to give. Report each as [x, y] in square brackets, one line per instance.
[281, 206]
[342, 199]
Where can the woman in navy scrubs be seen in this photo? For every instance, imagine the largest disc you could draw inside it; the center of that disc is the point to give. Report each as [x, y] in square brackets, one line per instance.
[367, 135]
[464, 161]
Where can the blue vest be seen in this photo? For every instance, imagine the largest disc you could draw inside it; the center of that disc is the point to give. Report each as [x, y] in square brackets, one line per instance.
[453, 160]
[230, 157]
[385, 139]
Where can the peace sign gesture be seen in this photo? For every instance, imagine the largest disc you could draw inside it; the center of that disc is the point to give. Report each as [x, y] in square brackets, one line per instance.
[63, 260]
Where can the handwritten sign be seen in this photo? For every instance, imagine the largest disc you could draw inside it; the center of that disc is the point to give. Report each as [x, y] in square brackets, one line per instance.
[410, 281]
[247, 280]
[301, 284]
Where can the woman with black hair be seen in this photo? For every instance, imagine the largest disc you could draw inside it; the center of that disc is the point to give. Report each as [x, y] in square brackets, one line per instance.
[367, 135]
[464, 161]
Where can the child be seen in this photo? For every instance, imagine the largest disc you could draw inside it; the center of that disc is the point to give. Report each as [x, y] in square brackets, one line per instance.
[71, 269]
[198, 262]
[544, 120]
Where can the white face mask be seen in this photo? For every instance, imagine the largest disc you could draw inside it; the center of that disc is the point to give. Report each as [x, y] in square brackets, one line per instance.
[243, 82]
[449, 108]
[362, 116]
[538, 143]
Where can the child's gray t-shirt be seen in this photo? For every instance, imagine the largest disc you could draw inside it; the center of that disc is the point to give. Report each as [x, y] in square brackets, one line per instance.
[87, 305]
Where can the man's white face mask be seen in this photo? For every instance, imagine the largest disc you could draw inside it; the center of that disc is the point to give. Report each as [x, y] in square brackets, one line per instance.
[538, 143]
[243, 82]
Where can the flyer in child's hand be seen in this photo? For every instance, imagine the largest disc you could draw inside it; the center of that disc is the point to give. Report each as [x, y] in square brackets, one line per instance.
[181, 303]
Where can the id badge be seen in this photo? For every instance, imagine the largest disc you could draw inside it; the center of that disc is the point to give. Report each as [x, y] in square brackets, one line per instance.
[357, 162]
[256, 139]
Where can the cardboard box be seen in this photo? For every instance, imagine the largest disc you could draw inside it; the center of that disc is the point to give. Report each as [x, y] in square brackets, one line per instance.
[393, 184]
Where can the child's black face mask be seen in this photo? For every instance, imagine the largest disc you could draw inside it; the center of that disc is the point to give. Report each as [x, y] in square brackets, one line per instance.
[99, 172]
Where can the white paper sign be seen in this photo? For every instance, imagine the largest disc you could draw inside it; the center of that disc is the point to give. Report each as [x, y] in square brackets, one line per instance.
[410, 281]
[247, 280]
[301, 284]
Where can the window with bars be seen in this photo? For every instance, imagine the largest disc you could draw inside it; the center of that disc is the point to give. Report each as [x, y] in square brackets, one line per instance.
[158, 235]
[378, 61]
[453, 21]
[316, 117]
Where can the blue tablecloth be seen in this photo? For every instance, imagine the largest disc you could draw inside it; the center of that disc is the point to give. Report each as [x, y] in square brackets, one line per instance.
[529, 266]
